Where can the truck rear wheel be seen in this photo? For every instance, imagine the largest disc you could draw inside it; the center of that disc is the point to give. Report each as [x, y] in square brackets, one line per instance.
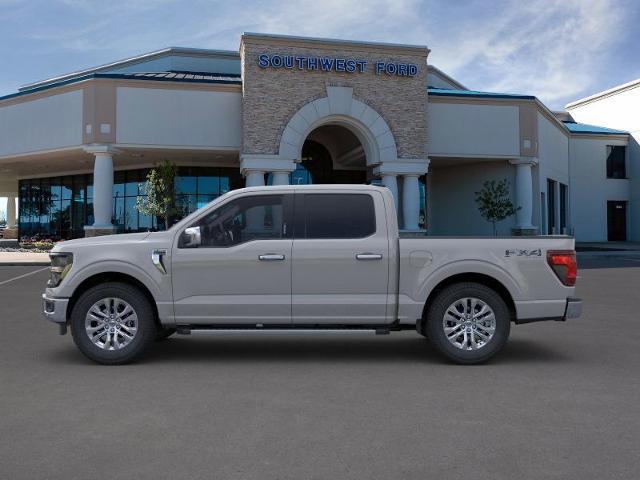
[468, 323]
[113, 323]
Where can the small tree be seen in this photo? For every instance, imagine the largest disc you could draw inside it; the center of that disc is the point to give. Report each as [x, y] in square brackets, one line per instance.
[160, 200]
[494, 203]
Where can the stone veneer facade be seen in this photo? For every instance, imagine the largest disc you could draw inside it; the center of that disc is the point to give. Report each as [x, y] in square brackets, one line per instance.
[272, 96]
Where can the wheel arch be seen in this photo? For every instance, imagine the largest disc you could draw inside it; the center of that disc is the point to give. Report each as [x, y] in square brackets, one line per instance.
[106, 277]
[474, 277]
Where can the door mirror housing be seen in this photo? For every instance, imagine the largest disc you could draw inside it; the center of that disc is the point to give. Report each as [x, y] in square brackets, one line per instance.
[191, 238]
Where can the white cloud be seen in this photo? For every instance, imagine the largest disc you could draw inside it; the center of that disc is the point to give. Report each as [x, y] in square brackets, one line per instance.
[553, 49]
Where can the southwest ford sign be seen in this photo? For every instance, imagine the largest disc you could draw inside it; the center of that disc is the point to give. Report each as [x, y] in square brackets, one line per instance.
[334, 64]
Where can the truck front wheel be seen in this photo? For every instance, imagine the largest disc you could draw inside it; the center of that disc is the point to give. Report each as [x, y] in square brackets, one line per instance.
[113, 323]
[468, 322]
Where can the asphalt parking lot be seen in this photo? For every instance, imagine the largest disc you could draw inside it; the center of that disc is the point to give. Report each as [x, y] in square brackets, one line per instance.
[562, 400]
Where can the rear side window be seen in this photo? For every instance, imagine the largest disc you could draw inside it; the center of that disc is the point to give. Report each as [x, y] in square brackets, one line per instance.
[337, 215]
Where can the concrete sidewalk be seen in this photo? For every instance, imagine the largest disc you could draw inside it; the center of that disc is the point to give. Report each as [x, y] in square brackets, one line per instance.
[24, 258]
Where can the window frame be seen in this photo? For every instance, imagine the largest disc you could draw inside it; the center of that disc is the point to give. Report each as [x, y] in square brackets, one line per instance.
[609, 168]
[287, 216]
[300, 223]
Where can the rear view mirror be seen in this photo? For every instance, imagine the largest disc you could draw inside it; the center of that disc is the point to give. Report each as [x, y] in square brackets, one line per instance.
[191, 238]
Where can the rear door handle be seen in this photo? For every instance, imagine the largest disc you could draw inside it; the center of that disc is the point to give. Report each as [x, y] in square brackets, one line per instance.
[369, 256]
[270, 257]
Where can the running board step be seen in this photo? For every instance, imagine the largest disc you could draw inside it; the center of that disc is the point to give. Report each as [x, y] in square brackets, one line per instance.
[282, 331]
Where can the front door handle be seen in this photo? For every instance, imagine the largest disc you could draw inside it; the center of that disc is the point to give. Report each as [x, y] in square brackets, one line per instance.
[369, 256]
[270, 257]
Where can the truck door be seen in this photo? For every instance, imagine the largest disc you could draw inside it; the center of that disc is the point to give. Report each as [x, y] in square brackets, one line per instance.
[233, 266]
[340, 271]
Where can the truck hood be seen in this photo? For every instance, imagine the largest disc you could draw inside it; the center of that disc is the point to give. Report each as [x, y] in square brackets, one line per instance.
[101, 240]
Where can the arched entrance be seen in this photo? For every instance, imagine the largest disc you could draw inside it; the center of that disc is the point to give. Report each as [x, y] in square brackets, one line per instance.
[331, 154]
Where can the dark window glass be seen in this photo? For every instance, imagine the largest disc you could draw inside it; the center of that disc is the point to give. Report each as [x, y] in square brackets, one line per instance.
[185, 184]
[131, 214]
[225, 185]
[131, 185]
[56, 189]
[551, 207]
[90, 186]
[563, 207]
[249, 218]
[119, 179]
[209, 185]
[65, 224]
[616, 161]
[119, 214]
[422, 221]
[67, 188]
[79, 187]
[339, 215]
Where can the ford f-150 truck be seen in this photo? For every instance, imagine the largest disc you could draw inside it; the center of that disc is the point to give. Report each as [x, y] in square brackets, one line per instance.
[305, 259]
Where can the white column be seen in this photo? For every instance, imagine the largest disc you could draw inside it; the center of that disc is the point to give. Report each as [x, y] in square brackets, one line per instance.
[390, 181]
[102, 189]
[280, 178]
[410, 201]
[254, 178]
[524, 192]
[11, 212]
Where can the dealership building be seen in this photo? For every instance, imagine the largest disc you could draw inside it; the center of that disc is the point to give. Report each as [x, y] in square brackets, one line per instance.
[75, 150]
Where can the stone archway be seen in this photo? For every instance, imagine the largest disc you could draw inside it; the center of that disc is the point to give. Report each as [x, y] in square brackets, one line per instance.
[340, 108]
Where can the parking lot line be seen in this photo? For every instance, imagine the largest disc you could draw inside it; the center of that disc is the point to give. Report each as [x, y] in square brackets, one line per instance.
[24, 275]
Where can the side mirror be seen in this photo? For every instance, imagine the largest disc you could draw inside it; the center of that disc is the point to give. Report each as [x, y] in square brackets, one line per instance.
[191, 238]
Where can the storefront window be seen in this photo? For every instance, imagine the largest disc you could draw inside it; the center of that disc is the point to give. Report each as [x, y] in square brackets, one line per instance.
[60, 207]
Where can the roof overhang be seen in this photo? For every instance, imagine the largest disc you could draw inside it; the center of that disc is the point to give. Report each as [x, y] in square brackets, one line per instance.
[145, 57]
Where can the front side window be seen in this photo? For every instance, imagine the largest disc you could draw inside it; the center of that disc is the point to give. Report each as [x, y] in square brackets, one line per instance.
[338, 215]
[260, 217]
[616, 161]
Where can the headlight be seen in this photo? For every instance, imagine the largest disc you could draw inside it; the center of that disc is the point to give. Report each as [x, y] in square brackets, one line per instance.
[60, 266]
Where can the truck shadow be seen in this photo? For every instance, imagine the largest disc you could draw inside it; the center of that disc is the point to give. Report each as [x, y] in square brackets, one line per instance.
[331, 350]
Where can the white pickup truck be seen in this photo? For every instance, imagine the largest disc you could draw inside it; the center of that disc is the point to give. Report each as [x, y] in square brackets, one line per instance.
[324, 259]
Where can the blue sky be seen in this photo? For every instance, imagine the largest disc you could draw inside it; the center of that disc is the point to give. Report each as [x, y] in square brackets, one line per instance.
[559, 50]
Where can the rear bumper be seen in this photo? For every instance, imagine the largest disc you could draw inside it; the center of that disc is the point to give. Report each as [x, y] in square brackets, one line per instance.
[54, 309]
[574, 308]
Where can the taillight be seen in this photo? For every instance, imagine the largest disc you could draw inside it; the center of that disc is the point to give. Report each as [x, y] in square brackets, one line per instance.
[563, 263]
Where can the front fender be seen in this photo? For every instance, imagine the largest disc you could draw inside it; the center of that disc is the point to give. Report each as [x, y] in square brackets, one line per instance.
[159, 285]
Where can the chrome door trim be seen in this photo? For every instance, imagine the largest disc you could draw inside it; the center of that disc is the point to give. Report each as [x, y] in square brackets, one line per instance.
[271, 257]
[369, 256]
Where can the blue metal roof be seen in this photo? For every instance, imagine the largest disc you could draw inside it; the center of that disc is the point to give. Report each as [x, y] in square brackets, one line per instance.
[187, 77]
[575, 127]
[445, 92]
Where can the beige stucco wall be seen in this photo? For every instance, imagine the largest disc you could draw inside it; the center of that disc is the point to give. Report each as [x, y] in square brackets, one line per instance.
[272, 96]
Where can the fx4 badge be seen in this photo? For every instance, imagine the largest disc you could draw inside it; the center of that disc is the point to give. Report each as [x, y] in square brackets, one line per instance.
[519, 252]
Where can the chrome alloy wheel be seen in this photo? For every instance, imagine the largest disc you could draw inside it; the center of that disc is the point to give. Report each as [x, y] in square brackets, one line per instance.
[469, 323]
[111, 323]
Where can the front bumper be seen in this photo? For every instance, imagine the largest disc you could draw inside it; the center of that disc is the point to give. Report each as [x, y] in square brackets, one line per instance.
[574, 308]
[55, 309]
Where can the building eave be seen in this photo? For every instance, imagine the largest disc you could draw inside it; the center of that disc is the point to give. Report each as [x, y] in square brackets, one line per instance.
[115, 76]
[605, 93]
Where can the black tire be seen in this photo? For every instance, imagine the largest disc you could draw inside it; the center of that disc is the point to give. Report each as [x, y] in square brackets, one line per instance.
[438, 308]
[146, 327]
[164, 333]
